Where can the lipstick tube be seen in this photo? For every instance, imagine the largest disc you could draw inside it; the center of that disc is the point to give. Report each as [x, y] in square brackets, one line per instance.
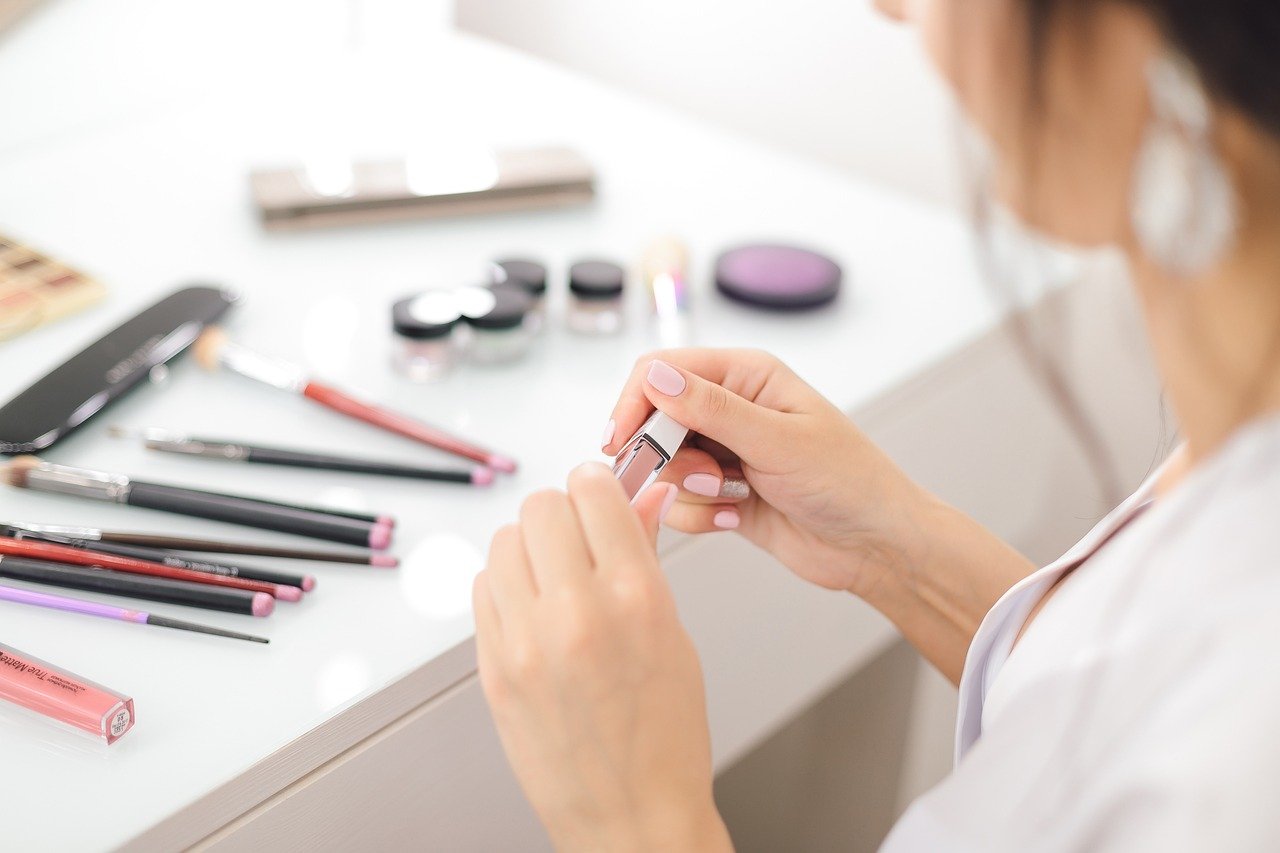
[648, 452]
[52, 692]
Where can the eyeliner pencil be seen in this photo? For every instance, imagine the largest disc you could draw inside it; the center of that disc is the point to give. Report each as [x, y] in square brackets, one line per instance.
[306, 583]
[108, 611]
[212, 546]
[235, 451]
[79, 557]
[137, 586]
[31, 473]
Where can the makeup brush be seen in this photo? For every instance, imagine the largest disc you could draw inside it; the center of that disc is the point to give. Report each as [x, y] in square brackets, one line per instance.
[167, 442]
[368, 518]
[79, 557]
[30, 472]
[138, 586]
[306, 583]
[212, 546]
[107, 611]
[213, 349]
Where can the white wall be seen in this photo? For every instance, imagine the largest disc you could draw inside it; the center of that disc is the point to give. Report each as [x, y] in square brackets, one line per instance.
[828, 79]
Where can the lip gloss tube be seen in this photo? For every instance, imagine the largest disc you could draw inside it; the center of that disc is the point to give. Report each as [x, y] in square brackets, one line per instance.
[53, 692]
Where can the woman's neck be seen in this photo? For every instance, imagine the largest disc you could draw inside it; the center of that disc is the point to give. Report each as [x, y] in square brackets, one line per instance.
[1216, 338]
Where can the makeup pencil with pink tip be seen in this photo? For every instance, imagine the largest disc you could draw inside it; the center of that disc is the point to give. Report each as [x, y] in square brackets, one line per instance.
[110, 611]
[213, 350]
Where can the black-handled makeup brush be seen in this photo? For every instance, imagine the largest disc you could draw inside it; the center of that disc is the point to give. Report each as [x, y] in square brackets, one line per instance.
[30, 472]
[237, 451]
[209, 546]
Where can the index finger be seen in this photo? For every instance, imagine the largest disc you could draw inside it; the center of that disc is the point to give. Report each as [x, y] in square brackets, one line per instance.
[741, 371]
[610, 525]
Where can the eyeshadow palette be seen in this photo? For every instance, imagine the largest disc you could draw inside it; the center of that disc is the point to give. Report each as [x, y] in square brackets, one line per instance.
[35, 289]
[426, 185]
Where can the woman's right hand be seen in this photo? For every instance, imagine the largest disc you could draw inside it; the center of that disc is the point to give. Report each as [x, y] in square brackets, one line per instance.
[823, 499]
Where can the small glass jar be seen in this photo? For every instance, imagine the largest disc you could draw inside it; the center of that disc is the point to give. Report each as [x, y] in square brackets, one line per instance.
[499, 317]
[426, 338]
[595, 297]
[530, 275]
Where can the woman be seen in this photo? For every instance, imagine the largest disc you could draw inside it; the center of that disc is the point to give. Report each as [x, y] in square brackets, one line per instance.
[1126, 697]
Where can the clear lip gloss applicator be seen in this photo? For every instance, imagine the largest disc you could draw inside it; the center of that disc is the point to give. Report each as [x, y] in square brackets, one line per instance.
[648, 452]
[665, 271]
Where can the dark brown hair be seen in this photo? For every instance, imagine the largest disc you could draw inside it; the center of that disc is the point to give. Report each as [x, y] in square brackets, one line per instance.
[1235, 47]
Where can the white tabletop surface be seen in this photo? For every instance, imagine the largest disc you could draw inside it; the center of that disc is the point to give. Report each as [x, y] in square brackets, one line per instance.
[129, 157]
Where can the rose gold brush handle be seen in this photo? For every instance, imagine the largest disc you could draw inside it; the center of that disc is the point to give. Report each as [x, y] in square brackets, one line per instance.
[405, 425]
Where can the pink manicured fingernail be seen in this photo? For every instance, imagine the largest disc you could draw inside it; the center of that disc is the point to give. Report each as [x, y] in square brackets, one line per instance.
[665, 378]
[609, 429]
[707, 485]
[726, 519]
[668, 502]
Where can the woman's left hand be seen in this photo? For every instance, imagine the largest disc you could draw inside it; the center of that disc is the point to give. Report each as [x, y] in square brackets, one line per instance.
[594, 685]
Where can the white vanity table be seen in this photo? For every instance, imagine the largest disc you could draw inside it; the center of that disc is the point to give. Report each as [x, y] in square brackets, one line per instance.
[362, 726]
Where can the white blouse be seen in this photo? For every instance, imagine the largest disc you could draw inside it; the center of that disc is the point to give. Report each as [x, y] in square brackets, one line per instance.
[1141, 708]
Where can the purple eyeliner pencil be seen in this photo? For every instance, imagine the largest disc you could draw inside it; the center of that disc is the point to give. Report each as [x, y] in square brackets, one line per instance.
[107, 611]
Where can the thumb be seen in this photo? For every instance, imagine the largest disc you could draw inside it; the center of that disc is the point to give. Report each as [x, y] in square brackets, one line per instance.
[711, 410]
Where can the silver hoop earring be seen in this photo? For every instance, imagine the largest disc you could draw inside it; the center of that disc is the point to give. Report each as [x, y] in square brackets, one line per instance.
[1183, 204]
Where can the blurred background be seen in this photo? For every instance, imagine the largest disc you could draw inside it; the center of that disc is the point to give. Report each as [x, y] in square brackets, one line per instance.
[827, 79]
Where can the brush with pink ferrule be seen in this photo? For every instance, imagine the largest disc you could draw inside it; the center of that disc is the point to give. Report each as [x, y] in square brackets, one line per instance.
[213, 350]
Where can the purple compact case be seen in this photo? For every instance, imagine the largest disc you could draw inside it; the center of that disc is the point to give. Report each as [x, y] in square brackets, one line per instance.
[777, 276]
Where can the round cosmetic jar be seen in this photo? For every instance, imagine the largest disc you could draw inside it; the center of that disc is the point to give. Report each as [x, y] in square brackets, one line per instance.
[500, 319]
[777, 277]
[530, 275]
[596, 297]
[426, 339]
